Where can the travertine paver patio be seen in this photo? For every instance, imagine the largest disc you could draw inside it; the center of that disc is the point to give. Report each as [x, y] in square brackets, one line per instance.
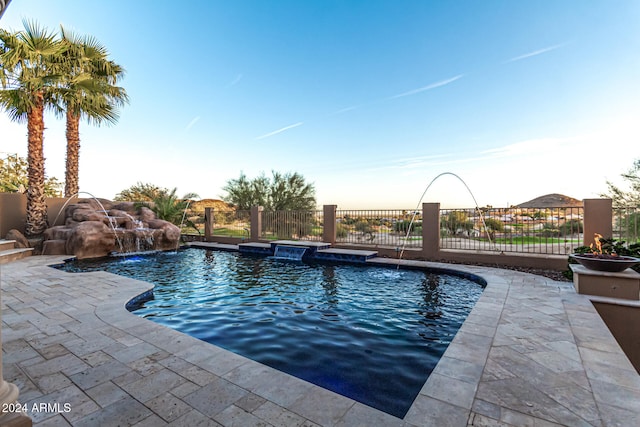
[531, 353]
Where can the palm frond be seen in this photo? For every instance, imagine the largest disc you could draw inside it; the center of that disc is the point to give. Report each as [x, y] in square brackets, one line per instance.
[39, 40]
[16, 103]
[89, 89]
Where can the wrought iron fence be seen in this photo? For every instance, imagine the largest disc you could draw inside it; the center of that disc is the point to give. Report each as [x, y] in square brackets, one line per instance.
[296, 225]
[515, 230]
[230, 223]
[533, 230]
[626, 224]
[387, 227]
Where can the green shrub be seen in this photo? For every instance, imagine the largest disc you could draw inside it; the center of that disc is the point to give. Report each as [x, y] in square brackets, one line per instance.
[341, 231]
[456, 222]
[493, 225]
[629, 224]
[549, 229]
[573, 226]
[402, 226]
[363, 226]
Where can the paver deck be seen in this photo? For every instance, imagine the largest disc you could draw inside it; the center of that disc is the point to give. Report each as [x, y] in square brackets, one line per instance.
[531, 353]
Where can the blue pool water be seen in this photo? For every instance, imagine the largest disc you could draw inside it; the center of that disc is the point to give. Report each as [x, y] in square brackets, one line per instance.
[373, 334]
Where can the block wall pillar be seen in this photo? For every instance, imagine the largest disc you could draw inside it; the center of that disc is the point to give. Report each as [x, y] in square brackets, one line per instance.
[430, 230]
[329, 223]
[598, 218]
[256, 223]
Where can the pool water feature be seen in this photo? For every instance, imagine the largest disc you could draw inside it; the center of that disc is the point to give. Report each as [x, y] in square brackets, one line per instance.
[373, 334]
[294, 253]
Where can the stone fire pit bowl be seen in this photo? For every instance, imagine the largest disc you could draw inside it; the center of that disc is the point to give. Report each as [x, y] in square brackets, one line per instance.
[606, 263]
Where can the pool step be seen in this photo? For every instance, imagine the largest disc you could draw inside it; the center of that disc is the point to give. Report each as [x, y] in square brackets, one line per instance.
[8, 251]
[301, 243]
[7, 244]
[213, 245]
[349, 255]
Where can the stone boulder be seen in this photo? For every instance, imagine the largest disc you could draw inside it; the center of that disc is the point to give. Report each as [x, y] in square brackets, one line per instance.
[58, 232]
[146, 214]
[125, 206]
[81, 215]
[96, 228]
[170, 233]
[21, 242]
[54, 247]
[90, 239]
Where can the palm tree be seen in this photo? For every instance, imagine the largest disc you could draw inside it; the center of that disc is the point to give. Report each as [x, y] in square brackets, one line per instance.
[3, 6]
[88, 91]
[169, 207]
[29, 82]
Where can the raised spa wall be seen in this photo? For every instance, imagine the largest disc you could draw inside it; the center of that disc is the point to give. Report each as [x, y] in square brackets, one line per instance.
[624, 323]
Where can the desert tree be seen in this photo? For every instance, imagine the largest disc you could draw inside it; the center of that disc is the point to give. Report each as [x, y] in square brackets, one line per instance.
[141, 192]
[14, 178]
[630, 197]
[283, 191]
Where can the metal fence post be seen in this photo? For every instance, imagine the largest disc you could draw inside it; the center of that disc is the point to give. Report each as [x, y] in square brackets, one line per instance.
[208, 223]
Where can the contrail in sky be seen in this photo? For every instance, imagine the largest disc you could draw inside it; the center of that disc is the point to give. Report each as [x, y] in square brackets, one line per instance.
[343, 110]
[428, 87]
[535, 52]
[275, 132]
[522, 148]
[236, 80]
[191, 123]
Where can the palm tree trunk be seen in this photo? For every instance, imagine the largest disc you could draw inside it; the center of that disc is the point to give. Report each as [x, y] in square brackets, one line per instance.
[71, 185]
[36, 205]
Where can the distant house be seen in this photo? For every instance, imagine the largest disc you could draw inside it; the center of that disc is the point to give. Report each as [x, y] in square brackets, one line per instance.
[573, 216]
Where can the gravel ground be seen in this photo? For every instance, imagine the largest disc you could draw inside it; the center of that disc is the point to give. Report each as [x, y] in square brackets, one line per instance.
[559, 276]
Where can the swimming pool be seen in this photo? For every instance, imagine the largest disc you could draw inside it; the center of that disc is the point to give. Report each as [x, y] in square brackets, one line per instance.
[373, 334]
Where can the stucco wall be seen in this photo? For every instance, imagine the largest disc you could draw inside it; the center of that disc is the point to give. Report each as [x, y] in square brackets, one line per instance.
[13, 211]
[624, 323]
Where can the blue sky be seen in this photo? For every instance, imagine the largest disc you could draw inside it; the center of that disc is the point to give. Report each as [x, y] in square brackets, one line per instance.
[369, 100]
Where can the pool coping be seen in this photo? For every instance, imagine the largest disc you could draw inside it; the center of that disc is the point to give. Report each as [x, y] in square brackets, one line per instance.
[531, 352]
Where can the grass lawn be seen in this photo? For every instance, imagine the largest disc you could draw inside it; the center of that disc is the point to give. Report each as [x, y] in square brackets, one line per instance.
[530, 240]
[230, 232]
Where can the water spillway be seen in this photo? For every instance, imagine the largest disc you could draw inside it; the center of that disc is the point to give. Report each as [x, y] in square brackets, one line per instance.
[305, 250]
